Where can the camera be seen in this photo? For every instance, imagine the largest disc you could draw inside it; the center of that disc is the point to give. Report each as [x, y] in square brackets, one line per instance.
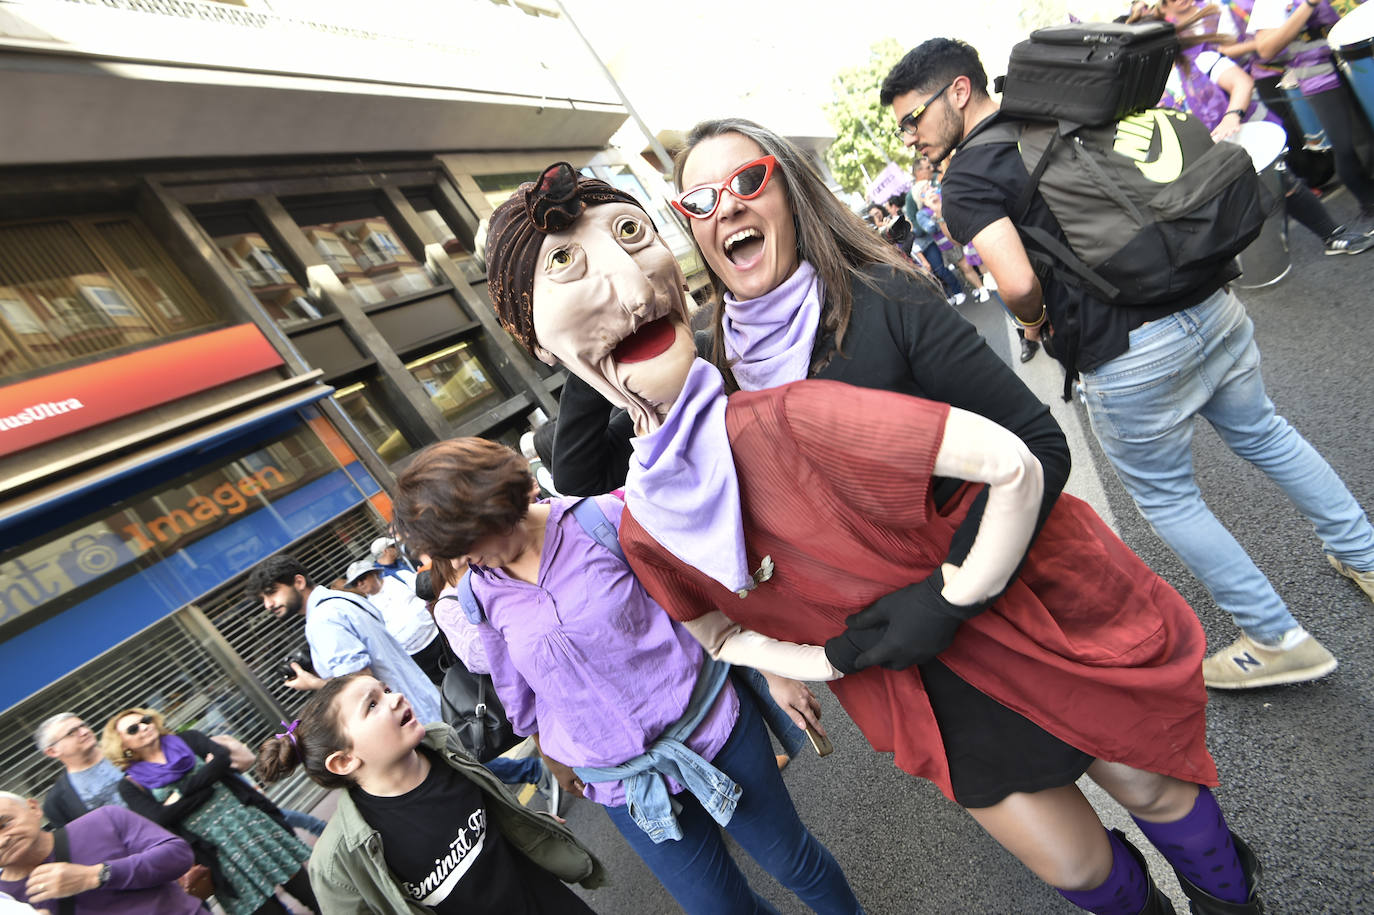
[284, 670]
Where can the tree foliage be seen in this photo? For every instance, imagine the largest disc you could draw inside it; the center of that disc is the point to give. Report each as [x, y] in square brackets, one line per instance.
[864, 140]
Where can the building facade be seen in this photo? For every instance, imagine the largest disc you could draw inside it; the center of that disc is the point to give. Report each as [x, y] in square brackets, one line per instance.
[240, 285]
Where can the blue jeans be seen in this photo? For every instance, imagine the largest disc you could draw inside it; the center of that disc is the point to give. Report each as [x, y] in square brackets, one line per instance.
[946, 276]
[523, 771]
[298, 819]
[1203, 361]
[698, 870]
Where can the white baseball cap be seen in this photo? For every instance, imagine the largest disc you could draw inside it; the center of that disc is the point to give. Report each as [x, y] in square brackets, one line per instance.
[357, 570]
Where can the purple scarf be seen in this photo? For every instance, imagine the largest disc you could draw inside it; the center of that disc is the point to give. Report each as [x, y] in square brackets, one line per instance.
[682, 486]
[769, 340]
[180, 760]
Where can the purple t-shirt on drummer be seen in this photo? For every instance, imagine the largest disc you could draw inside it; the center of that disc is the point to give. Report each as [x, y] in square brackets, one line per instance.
[588, 660]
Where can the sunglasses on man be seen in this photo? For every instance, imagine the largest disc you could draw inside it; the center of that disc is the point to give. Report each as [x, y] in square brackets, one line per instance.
[745, 183]
[907, 125]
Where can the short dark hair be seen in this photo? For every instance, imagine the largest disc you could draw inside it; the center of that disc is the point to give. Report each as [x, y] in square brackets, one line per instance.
[932, 63]
[280, 569]
[457, 492]
[896, 200]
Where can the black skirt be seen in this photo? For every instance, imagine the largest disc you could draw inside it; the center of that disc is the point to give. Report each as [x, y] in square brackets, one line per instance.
[992, 750]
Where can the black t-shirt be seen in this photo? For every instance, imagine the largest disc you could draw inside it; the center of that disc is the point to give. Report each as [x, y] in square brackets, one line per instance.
[981, 186]
[438, 845]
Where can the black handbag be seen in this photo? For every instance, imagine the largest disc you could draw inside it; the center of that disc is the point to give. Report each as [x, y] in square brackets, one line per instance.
[472, 709]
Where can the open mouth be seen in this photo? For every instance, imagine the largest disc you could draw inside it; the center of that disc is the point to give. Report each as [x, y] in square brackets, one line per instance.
[407, 718]
[653, 339]
[743, 246]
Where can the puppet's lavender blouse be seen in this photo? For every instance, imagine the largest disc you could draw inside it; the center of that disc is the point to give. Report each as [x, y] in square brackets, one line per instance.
[588, 660]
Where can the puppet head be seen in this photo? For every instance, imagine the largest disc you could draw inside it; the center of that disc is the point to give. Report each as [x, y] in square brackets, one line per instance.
[581, 277]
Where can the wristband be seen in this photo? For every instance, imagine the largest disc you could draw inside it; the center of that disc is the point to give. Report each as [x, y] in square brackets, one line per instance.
[1044, 313]
[1313, 5]
[104, 876]
[1239, 112]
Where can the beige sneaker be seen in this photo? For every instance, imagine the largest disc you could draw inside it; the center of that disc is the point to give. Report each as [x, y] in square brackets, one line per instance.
[1247, 664]
[1364, 579]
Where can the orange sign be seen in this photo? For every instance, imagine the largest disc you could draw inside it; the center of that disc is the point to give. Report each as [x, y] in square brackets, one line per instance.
[49, 407]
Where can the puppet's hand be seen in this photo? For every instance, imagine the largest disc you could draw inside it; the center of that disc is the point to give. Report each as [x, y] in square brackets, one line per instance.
[907, 627]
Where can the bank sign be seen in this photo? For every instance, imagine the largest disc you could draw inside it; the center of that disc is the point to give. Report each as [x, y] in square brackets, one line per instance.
[61, 403]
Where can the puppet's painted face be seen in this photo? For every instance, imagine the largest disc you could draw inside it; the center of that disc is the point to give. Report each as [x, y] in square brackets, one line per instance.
[608, 305]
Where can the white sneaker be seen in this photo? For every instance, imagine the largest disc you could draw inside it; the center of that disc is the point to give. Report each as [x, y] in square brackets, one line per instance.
[989, 282]
[980, 294]
[958, 299]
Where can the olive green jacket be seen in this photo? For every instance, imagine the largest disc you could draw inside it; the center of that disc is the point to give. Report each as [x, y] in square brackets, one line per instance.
[349, 874]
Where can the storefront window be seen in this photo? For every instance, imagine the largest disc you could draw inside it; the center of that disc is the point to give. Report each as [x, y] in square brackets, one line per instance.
[77, 288]
[249, 254]
[362, 405]
[363, 250]
[498, 188]
[457, 381]
[454, 247]
[138, 533]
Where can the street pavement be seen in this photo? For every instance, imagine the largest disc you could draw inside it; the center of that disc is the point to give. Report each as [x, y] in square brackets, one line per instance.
[1296, 763]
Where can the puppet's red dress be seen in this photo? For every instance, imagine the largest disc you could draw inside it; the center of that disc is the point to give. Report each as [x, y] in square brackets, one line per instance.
[1087, 642]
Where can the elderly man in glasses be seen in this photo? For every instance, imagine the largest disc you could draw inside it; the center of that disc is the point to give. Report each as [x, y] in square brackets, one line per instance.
[88, 780]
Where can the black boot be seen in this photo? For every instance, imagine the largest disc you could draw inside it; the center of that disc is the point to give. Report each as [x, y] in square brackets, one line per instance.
[1204, 903]
[1156, 903]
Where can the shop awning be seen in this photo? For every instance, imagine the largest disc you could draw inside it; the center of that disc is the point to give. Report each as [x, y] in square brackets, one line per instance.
[46, 488]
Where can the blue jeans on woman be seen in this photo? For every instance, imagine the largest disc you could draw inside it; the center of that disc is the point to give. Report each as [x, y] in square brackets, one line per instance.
[1203, 361]
[698, 870]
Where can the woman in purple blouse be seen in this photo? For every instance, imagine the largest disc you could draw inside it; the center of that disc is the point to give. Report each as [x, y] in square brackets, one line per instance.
[625, 706]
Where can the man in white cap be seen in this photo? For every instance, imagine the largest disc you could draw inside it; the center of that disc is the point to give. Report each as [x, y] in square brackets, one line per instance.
[386, 552]
[404, 614]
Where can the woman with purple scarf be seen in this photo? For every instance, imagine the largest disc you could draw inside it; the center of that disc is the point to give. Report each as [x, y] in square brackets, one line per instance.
[185, 783]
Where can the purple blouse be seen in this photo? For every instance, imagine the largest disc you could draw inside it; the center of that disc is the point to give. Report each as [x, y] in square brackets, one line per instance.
[588, 660]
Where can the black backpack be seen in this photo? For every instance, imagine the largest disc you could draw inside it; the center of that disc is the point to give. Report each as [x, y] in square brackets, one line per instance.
[1151, 208]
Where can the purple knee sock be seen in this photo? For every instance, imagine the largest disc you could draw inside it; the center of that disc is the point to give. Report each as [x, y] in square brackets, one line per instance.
[1122, 893]
[1200, 847]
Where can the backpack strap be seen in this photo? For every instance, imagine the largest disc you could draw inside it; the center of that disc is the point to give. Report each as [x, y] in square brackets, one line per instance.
[62, 851]
[592, 519]
[472, 607]
[598, 526]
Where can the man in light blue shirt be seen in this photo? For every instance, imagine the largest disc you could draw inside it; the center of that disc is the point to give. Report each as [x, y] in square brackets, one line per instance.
[346, 634]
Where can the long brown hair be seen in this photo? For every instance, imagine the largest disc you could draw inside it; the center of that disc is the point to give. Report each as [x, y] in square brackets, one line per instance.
[832, 239]
[1186, 38]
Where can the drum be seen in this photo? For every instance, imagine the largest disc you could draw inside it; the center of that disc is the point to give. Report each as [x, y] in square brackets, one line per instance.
[1352, 44]
[1266, 261]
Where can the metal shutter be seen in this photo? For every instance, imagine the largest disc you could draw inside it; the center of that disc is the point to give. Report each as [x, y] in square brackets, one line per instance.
[208, 666]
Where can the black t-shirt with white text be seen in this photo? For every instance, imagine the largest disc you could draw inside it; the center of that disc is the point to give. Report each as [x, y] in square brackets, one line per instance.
[438, 845]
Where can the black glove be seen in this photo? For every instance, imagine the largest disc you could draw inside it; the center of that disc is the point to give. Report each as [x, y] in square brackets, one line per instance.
[907, 627]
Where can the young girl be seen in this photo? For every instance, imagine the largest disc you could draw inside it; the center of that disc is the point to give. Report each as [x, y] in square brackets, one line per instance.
[421, 827]
[661, 735]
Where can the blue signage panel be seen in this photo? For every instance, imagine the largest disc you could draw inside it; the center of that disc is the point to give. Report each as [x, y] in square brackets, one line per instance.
[36, 657]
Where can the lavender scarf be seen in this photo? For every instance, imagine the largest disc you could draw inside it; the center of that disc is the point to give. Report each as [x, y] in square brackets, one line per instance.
[769, 340]
[180, 760]
[682, 486]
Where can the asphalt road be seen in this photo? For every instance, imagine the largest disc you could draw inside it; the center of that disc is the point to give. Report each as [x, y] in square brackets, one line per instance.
[1297, 763]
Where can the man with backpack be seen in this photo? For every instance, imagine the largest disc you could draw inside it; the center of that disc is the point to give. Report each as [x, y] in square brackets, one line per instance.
[346, 633]
[1149, 361]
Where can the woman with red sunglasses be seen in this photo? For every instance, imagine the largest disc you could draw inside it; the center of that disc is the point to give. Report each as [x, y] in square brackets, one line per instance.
[1080, 661]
